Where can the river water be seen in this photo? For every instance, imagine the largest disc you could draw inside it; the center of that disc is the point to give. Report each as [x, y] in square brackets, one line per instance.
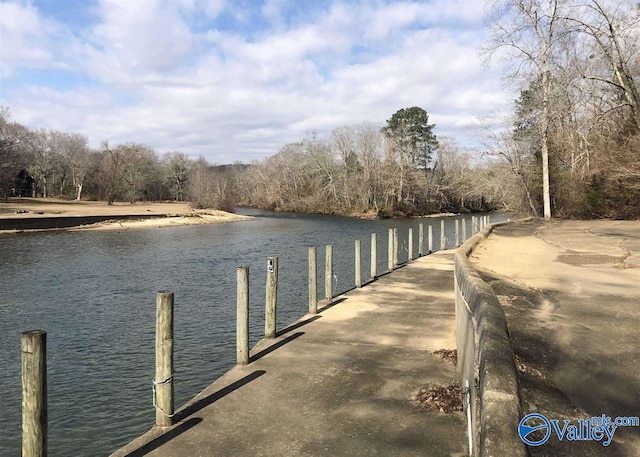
[94, 293]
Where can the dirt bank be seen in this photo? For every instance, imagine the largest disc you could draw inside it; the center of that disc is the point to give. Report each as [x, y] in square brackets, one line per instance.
[25, 214]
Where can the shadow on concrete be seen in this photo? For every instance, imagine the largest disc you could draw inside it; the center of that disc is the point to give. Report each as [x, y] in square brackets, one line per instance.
[209, 399]
[273, 347]
[297, 325]
[165, 438]
[331, 304]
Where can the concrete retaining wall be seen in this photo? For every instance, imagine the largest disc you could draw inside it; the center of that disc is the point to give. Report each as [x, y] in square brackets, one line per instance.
[485, 359]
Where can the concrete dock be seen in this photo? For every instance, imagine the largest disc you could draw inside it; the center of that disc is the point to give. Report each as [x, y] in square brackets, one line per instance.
[343, 382]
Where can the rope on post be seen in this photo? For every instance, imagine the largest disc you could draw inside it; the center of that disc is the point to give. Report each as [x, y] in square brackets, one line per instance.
[153, 389]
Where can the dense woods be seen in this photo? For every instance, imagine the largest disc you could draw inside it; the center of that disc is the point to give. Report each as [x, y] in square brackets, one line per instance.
[571, 148]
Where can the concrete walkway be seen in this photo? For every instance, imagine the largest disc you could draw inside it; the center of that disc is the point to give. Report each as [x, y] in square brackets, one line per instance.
[340, 383]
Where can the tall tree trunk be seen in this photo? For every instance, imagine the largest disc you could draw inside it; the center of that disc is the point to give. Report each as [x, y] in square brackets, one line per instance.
[544, 126]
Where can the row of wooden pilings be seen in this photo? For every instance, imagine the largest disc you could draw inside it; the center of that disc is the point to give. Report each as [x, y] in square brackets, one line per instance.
[34, 342]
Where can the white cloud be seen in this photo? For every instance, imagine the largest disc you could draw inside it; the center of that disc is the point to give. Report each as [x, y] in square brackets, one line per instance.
[26, 39]
[163, 80]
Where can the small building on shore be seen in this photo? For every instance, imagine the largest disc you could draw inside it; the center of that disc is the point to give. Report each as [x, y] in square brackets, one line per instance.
[25, 185]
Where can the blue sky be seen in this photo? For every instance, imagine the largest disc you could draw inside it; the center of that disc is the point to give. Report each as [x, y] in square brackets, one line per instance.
[237, 80]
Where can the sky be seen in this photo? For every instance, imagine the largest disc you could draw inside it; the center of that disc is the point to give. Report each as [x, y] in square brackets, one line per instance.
[236, 80]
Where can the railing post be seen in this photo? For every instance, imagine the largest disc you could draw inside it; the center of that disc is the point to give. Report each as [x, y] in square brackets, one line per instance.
[430, 238]
[33, 346]
[242, 316]
[358, 273]
[374, 252]
[390, 251]
[313, 282]
[395, 248]
[442, 238]
[410, 242]
[420, 239]
[328, 273]
[457, 233]
[271, 299]
[163, 382]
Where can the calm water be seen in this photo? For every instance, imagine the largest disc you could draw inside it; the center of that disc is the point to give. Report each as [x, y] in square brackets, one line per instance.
[94, 294]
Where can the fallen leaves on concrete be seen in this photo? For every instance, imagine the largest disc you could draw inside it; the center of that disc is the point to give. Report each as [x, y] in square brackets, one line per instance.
[448, 354]
[446, 399]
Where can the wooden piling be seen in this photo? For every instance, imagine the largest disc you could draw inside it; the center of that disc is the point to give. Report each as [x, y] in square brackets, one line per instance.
[33, 345]
[358, 277]
[430, 234]
[474, 225]
[328, 273]
[163, 382]
[242, 319]
[442, 238]
[374, 252]
[457, 233]
[464, 230]
[313, 282]
[395, 248]
[271, 298]
[420, 239]
[410, 242]
[390, 251]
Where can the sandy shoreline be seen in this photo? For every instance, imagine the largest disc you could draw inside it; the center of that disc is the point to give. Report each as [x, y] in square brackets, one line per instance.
[56, 214]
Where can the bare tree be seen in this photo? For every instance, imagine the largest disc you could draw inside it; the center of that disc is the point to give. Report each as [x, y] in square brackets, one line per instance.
[13, 158]
[176, 166]
[614, 30]
[530, 31]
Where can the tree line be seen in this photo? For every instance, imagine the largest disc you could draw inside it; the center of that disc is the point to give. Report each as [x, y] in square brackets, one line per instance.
[63, 165]
[400, 169]
[363, 170]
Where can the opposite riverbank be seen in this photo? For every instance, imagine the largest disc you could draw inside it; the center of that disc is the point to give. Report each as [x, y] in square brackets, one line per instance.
[30, 214]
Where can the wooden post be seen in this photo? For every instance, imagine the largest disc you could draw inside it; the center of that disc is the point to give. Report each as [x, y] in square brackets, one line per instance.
[242, 319]
[410, 241]
[442, 238]
[374, 253]
[457, 233]
[163, 383]
[313, 282]
[390, 251]
[464, 230]
[474, 225]
[33, 345]
[430, 238]
[272, 298]
[357, 264]
[420, 239]
[395, 248]
[488, 219]
[328, 273]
